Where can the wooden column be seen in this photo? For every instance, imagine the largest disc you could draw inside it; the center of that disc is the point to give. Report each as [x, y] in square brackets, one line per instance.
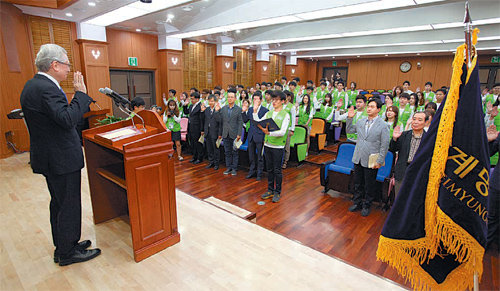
[224, 73]
[262, 71]
[291, 72]
[95, 68]
[171, 71]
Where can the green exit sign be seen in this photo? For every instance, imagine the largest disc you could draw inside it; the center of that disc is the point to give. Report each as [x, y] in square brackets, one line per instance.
[334, 63]
[495, 60]
[132, 61]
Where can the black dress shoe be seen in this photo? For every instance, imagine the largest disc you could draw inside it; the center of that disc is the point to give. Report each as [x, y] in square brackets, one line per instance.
[196, 162]
[209, 166]
[81, 245]
[250, 175]
[192, 160]
[79, 256]
[355, 207]
[216, 167]
[259, 178]
[365, 211]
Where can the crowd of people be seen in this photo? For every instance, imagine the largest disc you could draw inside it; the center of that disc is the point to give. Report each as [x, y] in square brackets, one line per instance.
[395, 120]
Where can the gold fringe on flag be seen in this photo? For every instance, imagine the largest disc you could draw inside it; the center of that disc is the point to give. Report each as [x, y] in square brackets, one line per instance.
[407, 255]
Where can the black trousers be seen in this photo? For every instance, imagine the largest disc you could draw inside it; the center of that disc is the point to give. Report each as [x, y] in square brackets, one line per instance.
[231, 154]
[212, 150]
[365, 185]
[65, 210]
[195, 145]
[256, 159]
[274, 161]
[329, 132]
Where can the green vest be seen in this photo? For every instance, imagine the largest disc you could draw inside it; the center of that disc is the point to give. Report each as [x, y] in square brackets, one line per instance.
[382, 111]
[352, 94]
[277, 140]
[494, 158]
[395, 101]
[489, 98]
[344, 96]
[391, 127]
[328, 111]
[320, 95]
[354, 136]
[430, 97]
[405, 114]
[172, 125]
[288, 109]
[304, 116]
[420, 108]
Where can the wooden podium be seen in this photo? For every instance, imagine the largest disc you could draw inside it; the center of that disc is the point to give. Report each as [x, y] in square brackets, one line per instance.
[131, 171]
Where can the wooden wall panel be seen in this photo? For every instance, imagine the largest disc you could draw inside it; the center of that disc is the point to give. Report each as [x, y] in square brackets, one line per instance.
[384, 73]
[224, 71]
[199, 65]
[171, 71]
[261, 71]
[12, 82]
[245, 67]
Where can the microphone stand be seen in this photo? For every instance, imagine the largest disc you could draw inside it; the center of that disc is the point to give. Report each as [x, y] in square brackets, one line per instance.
[128, 112]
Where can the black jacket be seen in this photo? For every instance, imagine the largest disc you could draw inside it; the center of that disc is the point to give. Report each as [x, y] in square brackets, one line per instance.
[402, 146]
[212, 123]
[54, 142]
[196, 118]
[254, 133]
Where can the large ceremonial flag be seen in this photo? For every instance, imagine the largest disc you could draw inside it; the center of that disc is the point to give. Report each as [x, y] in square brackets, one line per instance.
[435, 235]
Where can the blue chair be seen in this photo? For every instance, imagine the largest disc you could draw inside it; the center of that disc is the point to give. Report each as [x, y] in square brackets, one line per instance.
[336, 174]
[384, 175]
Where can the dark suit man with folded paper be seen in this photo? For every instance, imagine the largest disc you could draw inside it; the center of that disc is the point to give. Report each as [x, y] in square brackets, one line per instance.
[373, 142]
[55, 148]
[230, 131]
[255, 136]
[195, 127]
[211, 131]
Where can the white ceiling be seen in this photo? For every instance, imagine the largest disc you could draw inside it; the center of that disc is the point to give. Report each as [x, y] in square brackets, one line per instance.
[316, 29]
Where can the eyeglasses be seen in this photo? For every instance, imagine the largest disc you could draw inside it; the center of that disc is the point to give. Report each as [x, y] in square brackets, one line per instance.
[67, 64]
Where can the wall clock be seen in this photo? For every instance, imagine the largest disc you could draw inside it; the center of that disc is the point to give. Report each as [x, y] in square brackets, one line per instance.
[405, 67]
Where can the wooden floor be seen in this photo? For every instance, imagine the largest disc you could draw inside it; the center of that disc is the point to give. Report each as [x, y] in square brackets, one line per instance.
[218, 250]
[305, 214]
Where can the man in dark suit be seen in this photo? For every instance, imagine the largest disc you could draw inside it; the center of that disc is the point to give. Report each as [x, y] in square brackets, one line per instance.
[255, 136]
[55, 148]
[230, 131]
[195, 127]
[211, 132]
[406, 144]
[373, 138]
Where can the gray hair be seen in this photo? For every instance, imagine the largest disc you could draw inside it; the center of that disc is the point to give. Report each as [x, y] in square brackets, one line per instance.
[48, 53]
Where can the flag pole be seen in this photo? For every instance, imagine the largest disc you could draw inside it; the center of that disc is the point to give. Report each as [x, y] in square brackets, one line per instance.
[468, 35]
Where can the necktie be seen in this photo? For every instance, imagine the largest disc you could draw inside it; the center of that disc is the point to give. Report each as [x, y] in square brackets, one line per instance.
[64, 93]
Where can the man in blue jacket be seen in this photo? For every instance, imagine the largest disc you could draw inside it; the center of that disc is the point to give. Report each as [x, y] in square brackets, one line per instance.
[255, 136]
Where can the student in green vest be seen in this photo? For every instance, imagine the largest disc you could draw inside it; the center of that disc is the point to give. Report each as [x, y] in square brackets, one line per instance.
[284, 83]
[493, 118]
[335, 90]
[352, 92]
[269, 86]
[137, 104]
[388, 103]
[310, 83]
[404, 108]
[392, 118]
[359, 114]
[321, 92]
[239, 88]
[406, 87]
[278, 86]
[289, 107]
[172, 119]
[306, 114]
[428, 94]
[341, 95]
[327, 113]
[263, 87]
[420, 102]
[245, 102]
[292, 88]
[492, 98]
[268, 100]
[398, 90]
[274, 145]
[413, 102]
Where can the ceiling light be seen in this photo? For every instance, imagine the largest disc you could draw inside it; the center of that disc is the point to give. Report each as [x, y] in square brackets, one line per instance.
[357, 56]
[132, 10]
[170, 16]
[238, 31]
[486, 21]
[418, 54]
[92, 4]
[187, 8]
[388, 30]
[138, 29]
[203, 40]
[357, 46]
[333, 57]
[373, 54]
[69, 14]
[386, 55]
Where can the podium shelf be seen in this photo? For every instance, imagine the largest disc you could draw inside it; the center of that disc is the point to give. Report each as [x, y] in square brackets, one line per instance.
[114, 173]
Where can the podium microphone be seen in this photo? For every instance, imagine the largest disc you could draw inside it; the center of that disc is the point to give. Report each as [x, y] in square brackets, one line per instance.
[116, 97]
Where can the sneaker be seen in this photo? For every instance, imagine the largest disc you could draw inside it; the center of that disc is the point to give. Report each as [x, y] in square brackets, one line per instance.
[284, 165]
[365, 211]
[181, 158]
[227, 171]
[355, 207]
[233, 172]
[276, 197]
[267, 195]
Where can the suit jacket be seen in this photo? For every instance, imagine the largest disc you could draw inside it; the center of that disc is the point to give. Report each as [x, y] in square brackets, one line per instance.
[55, 147]
[402, 146]
[212, 123]
[254, 133]
[231, 125]
[196, 118]
[376, 142]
